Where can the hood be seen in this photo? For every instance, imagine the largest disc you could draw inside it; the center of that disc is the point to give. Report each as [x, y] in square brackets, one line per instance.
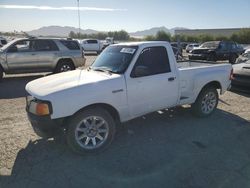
[42, 87]
[242, 68]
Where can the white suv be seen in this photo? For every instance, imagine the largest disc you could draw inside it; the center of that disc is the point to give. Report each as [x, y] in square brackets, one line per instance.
[92, 45]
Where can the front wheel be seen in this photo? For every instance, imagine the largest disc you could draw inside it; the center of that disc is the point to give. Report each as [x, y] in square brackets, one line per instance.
[206, 102]
[90, 131]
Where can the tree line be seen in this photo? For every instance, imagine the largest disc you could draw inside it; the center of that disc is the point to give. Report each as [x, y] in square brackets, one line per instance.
[242, 37]
[117, 35]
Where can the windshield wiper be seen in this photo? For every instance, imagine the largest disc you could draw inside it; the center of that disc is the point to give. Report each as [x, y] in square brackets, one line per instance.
[103, 69]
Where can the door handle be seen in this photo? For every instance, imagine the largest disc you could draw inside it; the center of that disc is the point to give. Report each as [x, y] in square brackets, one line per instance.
[171, 79]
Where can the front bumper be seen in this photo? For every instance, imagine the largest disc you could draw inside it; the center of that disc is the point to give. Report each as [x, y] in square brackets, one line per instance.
[197, 56]
[44, 126]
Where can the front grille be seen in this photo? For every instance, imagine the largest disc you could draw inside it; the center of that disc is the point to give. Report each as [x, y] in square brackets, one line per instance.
[198, 52]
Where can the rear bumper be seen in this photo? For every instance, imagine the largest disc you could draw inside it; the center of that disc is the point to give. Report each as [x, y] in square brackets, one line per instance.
[241, 83]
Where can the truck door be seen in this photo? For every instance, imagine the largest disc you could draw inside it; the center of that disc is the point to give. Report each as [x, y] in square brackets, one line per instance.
[223, 51]
[152, 85]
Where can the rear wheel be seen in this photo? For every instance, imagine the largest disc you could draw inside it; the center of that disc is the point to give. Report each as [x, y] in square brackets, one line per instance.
[206, 102]
[90, 131]
[64, 66]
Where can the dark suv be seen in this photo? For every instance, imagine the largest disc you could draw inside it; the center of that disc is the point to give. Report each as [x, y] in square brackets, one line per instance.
[217, 50]
[29, 55]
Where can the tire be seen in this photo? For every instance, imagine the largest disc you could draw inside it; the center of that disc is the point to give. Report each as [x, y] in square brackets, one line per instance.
[232, 59]
[90, 131]
[211, 57]
[64, 66]
[206, 102]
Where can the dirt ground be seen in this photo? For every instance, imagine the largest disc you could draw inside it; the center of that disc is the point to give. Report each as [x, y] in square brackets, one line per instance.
[168, 149]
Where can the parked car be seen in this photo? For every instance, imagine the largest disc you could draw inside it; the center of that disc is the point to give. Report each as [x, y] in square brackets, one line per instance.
[244, 57]
[192, 46]
[3, 42]
[217, 50]
[241, 74]
[30, 55]
[92, 45]
[126, 81]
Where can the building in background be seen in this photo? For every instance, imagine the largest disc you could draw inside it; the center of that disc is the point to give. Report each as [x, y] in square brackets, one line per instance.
[227, 32]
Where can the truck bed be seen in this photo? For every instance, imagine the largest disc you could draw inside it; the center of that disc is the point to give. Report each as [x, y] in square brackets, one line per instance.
[194, 64]
[195, 74]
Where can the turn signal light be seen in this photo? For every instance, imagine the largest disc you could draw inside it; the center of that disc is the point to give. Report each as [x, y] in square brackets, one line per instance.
[42, 109]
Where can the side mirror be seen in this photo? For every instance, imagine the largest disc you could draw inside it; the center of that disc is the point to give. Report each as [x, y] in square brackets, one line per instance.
[12, 49]
[141, 71]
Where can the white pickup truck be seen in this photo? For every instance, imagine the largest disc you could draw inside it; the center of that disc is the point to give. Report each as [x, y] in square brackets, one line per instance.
[126, 81]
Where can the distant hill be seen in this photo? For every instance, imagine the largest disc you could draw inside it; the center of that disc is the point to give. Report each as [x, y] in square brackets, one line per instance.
[154, 30]
[151, 31]
[58, 31]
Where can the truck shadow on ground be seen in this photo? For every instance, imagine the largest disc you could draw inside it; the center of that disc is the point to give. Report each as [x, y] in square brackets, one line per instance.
[14, 87]
[170, 148]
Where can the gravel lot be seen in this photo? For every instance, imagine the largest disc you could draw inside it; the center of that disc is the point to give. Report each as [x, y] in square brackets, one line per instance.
[168, 149]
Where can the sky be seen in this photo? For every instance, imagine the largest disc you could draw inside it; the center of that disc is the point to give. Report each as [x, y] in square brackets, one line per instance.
[130, 15]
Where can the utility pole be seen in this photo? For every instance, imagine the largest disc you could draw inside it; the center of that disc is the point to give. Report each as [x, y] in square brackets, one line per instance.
[79, 20]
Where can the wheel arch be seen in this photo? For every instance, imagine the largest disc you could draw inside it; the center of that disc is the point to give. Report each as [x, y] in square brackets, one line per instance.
[109, 108]
[215, 84]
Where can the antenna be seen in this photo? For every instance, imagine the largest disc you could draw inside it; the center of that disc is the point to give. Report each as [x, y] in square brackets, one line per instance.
[79, 20]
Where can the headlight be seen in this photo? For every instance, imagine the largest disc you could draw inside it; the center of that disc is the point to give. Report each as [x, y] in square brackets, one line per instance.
[38, 107]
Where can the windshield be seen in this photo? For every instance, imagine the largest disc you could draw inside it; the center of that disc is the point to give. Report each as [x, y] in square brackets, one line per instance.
[210, 45]
[115, 58]
[9, 44]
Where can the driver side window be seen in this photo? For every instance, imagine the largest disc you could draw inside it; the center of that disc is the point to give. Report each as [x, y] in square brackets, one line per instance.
[152, 60]
[20, 46]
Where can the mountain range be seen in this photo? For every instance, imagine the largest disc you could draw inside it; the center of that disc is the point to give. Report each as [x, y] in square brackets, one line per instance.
[58, 31]
[61, 31]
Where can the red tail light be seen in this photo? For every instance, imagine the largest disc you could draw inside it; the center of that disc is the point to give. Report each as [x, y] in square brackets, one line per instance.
[231, 75]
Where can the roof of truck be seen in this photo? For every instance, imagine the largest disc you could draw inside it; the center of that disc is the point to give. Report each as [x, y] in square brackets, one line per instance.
[142, 43]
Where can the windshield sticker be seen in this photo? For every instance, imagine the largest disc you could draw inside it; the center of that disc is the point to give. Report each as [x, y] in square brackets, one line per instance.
[127, 50]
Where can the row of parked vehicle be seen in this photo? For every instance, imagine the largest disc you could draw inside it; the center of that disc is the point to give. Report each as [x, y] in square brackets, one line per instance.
[222, 50]
[212, 50]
